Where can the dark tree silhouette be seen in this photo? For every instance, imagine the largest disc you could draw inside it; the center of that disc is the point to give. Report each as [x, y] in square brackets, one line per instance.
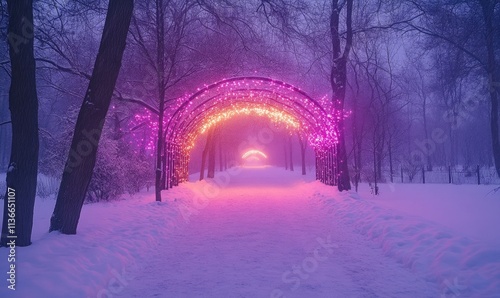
[205, 153]
[82, 156]
[338, 82]
[23, 105]
[211, 154]
[303, 143]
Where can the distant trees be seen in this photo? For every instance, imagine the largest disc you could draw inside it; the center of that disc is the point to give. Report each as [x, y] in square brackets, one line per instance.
[22, 173]
[470, 31]
[83, 151]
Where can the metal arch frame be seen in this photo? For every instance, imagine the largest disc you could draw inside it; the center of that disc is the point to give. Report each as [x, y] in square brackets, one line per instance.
[176, 159]
[173, 129]
[219, 83]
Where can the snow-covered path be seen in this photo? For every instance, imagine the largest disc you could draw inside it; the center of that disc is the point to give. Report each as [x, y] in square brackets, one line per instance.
[266, 235]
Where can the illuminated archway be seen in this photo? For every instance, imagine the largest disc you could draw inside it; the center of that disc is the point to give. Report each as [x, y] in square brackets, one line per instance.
[274, 99]
[253, 152]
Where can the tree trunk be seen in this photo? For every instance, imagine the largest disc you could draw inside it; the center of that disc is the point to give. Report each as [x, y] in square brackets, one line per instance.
[164, 169]
[81, 160]
[391, 166]
[375, 178]
[302, 153]
[338, 81]
[379, 161]
[204, 159]
[488, 8]
[426, 132]
[291, 149]
[221, 155]
[160, 54]
[211, 155]
[204, 153]
[225, 160]
[286, 153]
[356, 143]
[23, 105]
[202, 166]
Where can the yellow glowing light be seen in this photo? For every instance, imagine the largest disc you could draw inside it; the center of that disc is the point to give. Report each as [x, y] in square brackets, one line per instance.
[253, 152]
[272, 113]
[217, 116]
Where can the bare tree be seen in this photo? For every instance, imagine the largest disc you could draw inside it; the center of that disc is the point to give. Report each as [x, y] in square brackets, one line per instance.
[88, 128]
[338, 81]
[19, 199]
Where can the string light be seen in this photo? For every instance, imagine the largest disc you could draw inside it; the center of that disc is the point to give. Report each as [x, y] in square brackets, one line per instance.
[284, 104]
[317, 118]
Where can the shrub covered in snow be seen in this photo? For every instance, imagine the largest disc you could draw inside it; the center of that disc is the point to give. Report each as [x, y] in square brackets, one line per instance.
[47, 186]
[118, 169]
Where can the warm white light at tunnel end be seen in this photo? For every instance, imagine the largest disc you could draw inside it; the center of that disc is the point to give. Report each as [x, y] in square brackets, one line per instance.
[253, 152]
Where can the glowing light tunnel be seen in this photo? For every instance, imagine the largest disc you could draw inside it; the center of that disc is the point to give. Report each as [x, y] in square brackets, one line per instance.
[316, 118]
[281, 102]
[203, 122]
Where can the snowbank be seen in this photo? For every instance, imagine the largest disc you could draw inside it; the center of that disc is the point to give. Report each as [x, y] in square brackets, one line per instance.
[112, 241]
[471, 210]
[462, 266]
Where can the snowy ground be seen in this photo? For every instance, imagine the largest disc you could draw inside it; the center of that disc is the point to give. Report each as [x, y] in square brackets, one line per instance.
[269, 233]
[471, 210]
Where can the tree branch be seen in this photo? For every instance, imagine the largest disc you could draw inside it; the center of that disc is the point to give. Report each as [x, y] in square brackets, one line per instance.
[64, 69]
[119, 97]
[449, 40]
[6, 122]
